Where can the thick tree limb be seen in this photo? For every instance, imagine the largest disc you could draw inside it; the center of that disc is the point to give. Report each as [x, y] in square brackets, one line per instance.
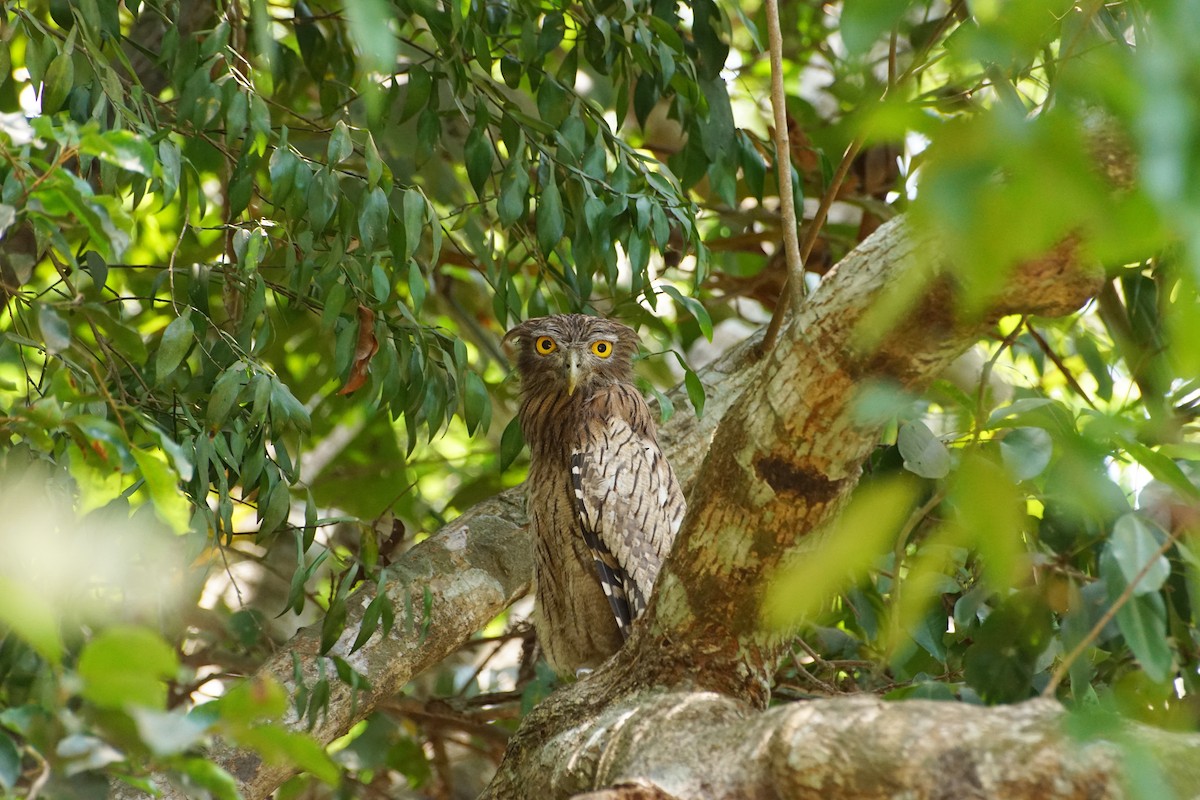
[706, 745]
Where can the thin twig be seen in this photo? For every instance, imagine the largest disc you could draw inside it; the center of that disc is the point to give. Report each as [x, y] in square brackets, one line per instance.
[825, 687]
[783, 150]
[1058, 362]
[831, 191]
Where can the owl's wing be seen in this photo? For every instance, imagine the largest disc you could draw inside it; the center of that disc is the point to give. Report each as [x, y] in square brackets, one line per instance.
[630, 507]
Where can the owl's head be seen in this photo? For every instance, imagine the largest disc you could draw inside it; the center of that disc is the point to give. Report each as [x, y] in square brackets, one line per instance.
[571, 353]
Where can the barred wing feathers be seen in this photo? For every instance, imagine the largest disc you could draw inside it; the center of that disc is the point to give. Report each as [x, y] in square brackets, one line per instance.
[628, 500]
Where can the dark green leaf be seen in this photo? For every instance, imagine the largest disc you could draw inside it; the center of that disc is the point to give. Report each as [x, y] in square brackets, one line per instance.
[416, 285]
[1143, 623]
[695, 391]
[373, 219]
[550, 220]
[340, 147]
[514, 185]
[10, 763]
[420, 85]
[274, 511]
[177, 340]
[694, 307]
[512, 441]
[479, 156]
[476, 404]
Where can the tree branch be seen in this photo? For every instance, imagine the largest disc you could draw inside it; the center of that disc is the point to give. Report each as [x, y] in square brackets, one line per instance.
[692, 745]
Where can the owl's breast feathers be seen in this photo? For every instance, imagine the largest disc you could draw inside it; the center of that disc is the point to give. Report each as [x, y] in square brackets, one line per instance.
[627, 497]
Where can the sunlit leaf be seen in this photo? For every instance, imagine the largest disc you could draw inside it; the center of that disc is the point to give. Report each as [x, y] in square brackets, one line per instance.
[126, 666]
[31, 617]
[865, 529]
[162, 482]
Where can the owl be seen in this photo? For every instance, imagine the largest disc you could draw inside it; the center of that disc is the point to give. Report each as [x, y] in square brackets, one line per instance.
[604, 504]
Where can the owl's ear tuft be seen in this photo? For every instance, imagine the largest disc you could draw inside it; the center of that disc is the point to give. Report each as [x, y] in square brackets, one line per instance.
[511, 339]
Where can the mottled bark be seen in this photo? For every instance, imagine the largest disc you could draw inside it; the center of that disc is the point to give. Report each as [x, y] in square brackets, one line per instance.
[707, 745]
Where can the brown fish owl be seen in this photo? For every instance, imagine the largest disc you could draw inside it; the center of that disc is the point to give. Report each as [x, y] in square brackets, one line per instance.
[604, 503]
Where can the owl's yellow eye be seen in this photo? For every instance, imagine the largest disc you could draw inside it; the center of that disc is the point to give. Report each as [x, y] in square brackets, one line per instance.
[545, 345]
[602, 348]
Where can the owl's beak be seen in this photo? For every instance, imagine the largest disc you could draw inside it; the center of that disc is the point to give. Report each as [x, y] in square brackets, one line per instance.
[572, 372]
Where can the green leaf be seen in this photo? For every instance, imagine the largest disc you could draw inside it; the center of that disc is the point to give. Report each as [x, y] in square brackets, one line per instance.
[512, 441]
[124, 149]
[95, 265]
[693, 306]
[695, 391]
[251, 701]
[373, 219]
[126, 666]
[550, 220]
[415, 209]
[369, 30]
[59, 79]
[1026, 452]
[479, 156]
[32, 617]
[514, 186]
[1133, 546]
[340, 146]
[370, 621]
[1143, 623]
[55, 332]
[225, 393]
[287, 748]
[1002, 659]
[211, 778]
[373, 161]
[862, 532]
[476, 404]
[10, 763]
[420, 85]
[333, 623]
[275, 511]
[416, 285]
[286, 408]
[864, 21]
[923, 453]
[162, 483]
[176, 341]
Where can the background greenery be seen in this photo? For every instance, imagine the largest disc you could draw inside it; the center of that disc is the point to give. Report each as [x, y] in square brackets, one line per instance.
[257, 257]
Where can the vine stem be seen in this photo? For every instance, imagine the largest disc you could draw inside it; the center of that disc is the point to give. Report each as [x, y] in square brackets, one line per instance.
[1061, 670]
